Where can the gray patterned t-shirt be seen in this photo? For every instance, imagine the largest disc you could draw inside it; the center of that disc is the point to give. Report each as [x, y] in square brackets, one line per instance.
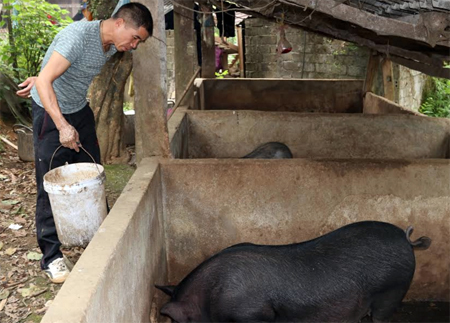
[81, 45]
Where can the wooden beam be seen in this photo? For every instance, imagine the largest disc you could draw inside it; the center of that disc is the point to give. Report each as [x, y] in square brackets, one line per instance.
[422, 31]
[188, 87]
[233, 48]
[371, 72]
[241, 51]
[388, 79]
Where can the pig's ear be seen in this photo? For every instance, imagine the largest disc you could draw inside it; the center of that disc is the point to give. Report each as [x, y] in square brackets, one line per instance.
[175, 310]
[166, 289]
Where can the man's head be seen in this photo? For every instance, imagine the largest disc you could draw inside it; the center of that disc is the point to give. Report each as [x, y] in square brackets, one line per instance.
[134, 24]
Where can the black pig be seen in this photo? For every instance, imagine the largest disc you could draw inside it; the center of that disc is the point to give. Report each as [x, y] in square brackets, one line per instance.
[271, 150]
[365, 267]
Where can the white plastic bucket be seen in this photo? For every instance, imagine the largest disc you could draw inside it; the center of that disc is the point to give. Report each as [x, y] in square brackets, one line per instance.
[78, 200]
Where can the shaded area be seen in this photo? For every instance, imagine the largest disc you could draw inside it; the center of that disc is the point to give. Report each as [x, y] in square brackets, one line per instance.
[411, 312]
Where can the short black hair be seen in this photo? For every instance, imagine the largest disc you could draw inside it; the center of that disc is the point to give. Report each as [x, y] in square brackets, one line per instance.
[136, 14]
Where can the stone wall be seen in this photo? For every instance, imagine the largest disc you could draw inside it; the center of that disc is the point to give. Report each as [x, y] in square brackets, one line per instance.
[410, 85]
[312, 56]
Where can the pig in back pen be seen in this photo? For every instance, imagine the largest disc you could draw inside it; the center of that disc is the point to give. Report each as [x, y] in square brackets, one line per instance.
[354, 159]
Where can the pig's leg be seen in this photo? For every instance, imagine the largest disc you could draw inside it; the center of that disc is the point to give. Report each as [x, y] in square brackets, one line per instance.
[385, 304]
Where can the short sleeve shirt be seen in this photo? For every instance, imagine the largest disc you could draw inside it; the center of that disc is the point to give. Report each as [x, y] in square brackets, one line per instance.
[80, 43]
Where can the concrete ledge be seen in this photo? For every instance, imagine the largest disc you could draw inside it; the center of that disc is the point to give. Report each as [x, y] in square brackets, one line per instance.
[113, 280]
[233, 134]
[374, 104]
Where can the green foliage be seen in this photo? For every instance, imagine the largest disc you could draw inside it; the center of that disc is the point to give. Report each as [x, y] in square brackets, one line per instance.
[346, 48]
[33, 28]
[436, 98]
[128, 106]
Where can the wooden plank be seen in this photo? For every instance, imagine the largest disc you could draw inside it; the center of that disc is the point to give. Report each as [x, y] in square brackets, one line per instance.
[372, 70]
[388, 79]
[241, 51]
[189, 85]
[232, 48]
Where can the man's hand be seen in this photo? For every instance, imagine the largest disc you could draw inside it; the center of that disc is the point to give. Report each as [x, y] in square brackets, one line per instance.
[28, 84]
[69, 137]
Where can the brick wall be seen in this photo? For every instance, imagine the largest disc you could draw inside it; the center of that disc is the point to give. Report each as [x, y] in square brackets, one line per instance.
[312, 56]
[316, 56]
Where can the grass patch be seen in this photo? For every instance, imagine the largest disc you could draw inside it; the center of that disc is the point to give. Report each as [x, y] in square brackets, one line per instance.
[34, 318]
[117, 177]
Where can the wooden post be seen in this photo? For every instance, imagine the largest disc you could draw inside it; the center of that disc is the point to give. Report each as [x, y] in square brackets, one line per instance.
[185, 58]
[150, 99]
[208, 49]
[388, 79]
[372, 69]
[224, 61]
[241, 51]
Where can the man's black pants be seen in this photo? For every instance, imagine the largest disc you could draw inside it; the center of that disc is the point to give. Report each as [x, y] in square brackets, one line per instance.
[46, 141]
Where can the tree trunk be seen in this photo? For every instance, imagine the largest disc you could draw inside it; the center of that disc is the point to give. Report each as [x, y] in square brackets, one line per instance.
[106, 96]
[106, 100]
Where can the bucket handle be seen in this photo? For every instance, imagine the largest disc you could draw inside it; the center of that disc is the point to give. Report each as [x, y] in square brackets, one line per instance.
[51, 160]
[21, 128]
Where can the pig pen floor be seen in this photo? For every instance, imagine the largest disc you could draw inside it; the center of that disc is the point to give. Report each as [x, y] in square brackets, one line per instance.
[409, 312]
[421, 312]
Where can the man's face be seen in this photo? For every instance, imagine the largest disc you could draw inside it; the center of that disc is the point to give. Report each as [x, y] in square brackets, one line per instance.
[127, 37]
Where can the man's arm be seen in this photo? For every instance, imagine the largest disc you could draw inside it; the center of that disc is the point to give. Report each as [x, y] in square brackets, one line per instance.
[56, 66]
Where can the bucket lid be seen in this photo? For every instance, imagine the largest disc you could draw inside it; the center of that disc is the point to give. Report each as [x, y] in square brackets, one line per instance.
[73, 177]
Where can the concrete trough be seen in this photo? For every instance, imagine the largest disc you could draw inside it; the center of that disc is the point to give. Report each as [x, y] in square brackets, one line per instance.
[233, 134]
[173, 214]
[366, 160]
[292, 95]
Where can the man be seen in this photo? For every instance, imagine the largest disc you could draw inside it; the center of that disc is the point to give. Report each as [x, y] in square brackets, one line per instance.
[61, 114]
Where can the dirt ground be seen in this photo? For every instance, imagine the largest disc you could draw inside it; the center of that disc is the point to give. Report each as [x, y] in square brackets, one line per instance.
[25, 291]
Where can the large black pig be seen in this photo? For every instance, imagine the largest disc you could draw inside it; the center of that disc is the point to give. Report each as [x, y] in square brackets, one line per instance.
[270, 150]
[365, 267]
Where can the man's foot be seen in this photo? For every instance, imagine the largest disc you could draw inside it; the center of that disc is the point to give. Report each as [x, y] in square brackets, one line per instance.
[57, 271]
